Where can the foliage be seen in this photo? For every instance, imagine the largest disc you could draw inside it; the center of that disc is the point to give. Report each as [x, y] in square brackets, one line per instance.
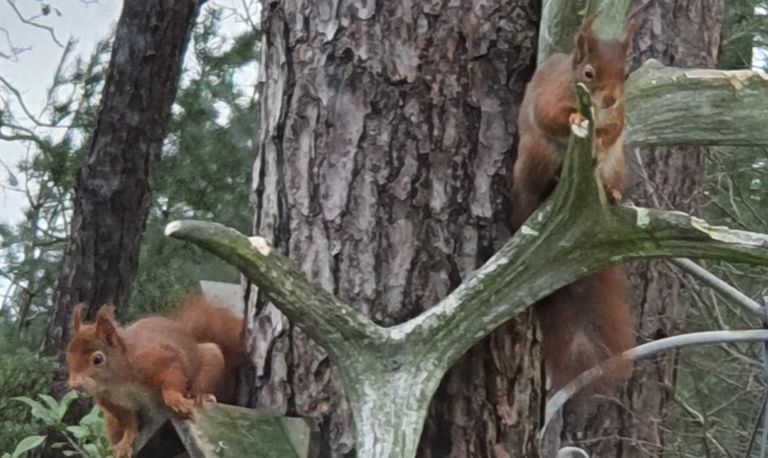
[743, 32]
[86, 439]
[717, 409]
[720, 389]
[22, 373]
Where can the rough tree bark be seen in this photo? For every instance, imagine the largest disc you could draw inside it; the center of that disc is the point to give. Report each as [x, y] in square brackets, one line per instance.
[380, 172]
[112, 187]
[684, 34]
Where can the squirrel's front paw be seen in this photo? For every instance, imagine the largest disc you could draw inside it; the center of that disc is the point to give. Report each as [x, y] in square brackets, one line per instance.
[122, 449]
[202, 399]
[178, 404]
[614, 195]
[575, 118]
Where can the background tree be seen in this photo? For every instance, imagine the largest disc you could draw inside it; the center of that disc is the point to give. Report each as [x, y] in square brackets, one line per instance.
[381, 172]
[112, 187]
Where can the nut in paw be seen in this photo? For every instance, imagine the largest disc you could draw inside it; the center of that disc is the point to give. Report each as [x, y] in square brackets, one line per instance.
[579, 125]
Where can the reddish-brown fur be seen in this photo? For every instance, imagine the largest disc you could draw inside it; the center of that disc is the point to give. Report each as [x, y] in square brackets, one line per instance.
[583, 323]
[208, 323]
[155, 361]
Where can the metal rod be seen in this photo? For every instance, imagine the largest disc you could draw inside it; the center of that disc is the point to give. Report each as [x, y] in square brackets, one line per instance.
[645, 350]
[716, 283]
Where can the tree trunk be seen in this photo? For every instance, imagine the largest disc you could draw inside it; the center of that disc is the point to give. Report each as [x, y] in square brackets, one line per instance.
[381, 173]
[112, 187]
[684, 34]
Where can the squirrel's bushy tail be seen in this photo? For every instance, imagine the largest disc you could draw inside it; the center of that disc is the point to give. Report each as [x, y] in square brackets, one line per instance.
[208, 322]
[584, 324]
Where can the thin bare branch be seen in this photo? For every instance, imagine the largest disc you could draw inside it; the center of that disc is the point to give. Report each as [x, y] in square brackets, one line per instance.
[31, 22]
[27, 111]
[13, 50]
[725, 289]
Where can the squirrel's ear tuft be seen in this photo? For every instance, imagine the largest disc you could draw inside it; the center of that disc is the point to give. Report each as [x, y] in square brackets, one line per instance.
[77, 317]
[585, 41]
[106, 311]
[106, 326]
[629, 33]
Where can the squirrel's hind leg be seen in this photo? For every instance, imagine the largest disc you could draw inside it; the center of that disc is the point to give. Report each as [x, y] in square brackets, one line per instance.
[210, 376]
[173, 386]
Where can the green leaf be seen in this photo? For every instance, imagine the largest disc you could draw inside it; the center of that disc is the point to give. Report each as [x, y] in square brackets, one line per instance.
[27, 400]
[92, 418]
[27, 444]
[52, 404]
[92, 450]
[64, 404]
[37, 409]
[79, 432]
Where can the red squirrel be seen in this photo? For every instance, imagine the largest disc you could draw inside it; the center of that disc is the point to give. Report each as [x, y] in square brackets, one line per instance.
[175, 363]
[588, 321]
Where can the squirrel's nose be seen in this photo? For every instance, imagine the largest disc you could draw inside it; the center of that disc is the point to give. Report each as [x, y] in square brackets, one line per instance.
[75, 384]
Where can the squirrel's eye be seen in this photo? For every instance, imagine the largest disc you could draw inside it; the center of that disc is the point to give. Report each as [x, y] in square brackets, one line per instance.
[98, 358]
[589, 72]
